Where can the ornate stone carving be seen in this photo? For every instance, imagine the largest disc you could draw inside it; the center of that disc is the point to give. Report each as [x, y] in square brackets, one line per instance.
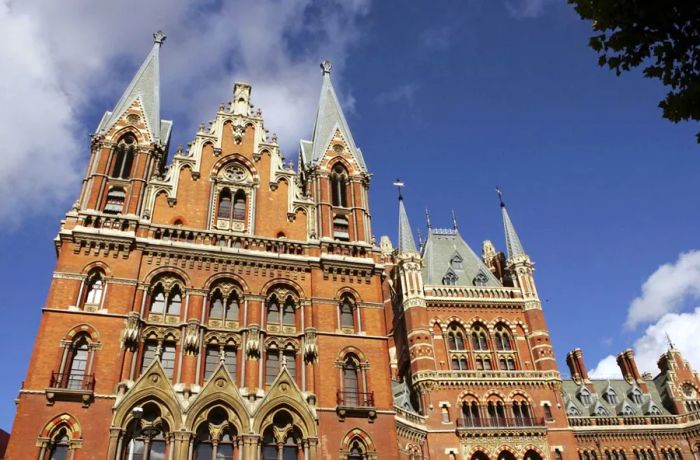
[253, 342]
[130, 334]
[238, 132]
[192, 337]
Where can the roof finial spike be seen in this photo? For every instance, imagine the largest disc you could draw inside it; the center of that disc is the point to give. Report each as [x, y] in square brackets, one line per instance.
[420, 239]
[670, 343]
[427, 218]
[399, 185]
[454, 221]
[159, 37]
[500, 196]
[326, 67]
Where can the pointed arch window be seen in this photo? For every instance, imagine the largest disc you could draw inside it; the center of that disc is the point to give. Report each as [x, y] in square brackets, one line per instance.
[225, 204]
[503, 339]
[158, 301]
[455, 337]
[357, 451]
[611, 396]
[273, 310]
[636, 396]
[282, 440]
[338, 186]
[94, 289]
[479, 337]
[351, 382]
[123, 157]
[78, 365]
[60, 446]
[239, 205]
[347, 313]
[289, 312]
[174, 302]
[471, 415]
[150, 443]
[225, 303]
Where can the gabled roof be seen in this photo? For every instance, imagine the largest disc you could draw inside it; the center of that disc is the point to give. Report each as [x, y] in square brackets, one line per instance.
[438, 252]
[145, 88]
[329, 119]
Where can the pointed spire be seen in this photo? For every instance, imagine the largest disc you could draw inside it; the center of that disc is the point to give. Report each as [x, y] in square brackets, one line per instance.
[513, 245]
[329, 119]
[670, 342]
[427, 219]
[146, 86]
[406, 242]
[454, 221]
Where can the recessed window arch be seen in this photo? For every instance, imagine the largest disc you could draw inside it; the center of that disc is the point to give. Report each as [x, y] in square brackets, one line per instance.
[147, 437]
[504, 341]
[339, 179]
[282, 439]
[59, 445]
[479, 336]
[281, 307]
[166, 296]
[455, 337]
[114, 203]
[358, 449]
[346, 311]
[123, 157]
[216, 437]
[224, 302]
[94, 289]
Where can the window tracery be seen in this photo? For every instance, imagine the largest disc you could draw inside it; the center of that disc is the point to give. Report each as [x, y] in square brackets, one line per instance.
[339, 179]
[123, 157]
[282, 439]
[224, 305]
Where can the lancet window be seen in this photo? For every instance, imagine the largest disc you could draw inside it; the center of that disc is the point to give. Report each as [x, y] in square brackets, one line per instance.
[123, 157]
[94, 290]
[224, 303]
[479, 337]
[166, 296]
[281, 310]
[346, 312]
[339, 178]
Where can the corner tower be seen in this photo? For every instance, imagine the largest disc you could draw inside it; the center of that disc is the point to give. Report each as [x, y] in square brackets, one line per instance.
[335, 172]
[130, 144]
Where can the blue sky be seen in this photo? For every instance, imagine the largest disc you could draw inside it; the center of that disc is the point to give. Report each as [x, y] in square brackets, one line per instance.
[454, 97]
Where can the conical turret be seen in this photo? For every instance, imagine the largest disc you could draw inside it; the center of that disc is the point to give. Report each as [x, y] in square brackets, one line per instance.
[406, 242]
[513, 244]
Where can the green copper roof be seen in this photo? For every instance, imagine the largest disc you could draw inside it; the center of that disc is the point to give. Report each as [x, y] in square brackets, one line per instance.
[447, 255]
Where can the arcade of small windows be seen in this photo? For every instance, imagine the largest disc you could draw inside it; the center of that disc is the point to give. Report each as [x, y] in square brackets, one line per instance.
[692, 406]
[339, 179]
[458, 356]
[123, 157]
[615, 454]
[496, 413]
[671, 454]
[588, 455]
[644, 454]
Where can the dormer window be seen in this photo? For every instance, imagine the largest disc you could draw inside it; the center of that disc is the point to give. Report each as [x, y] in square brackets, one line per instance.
[585, 396]
[627, 410]
[611, 396]
[600, 411]
[457, 263]
[572, 411]
[636, 396]
[481, 279]
[450, 278]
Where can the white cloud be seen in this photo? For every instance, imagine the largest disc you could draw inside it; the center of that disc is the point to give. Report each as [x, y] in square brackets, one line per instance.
[525, 9]
[667, 289]
[681, 327]
[666, 301]
[61, 56]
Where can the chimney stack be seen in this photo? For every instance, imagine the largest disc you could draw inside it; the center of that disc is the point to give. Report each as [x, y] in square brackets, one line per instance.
[628, 367]
[577, 367]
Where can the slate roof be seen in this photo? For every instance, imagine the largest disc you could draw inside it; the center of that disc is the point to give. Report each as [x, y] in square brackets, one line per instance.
[441, 247]
[329, 119]
[622, 388]
[406, 242]
[145, 87]
[513, 244]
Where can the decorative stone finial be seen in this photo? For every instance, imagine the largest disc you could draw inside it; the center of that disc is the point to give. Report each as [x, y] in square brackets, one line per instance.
[159, 37]
[500, 196]
[326, 67]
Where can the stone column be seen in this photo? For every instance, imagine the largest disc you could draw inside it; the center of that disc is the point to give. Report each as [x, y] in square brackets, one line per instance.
[114, 441]
[181, 444]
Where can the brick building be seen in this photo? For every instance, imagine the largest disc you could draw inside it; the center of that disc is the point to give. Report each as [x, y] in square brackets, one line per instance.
[226, 305]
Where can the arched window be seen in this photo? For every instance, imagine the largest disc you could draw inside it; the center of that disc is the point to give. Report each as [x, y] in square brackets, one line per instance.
[224, 303]
[158, 301]
[521, 413]
[357, 451]
[174, 302]
[478, 455]
[94, 289]
[147, 439]
[225, 205]
[123, 157]
[459, 363]
[503, 341]
[222, 444]
[479, 337]
[59, 446]
[351, 384]
[282, 440]
[338, 186]
[289, 312]
[273, 310]
[471, 417]
[239, 205]
[455, 337]
[347, 313]
[115, 200]
[76, 378]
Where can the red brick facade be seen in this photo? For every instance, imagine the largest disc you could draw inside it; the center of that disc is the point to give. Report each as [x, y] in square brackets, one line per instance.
[228, 306]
